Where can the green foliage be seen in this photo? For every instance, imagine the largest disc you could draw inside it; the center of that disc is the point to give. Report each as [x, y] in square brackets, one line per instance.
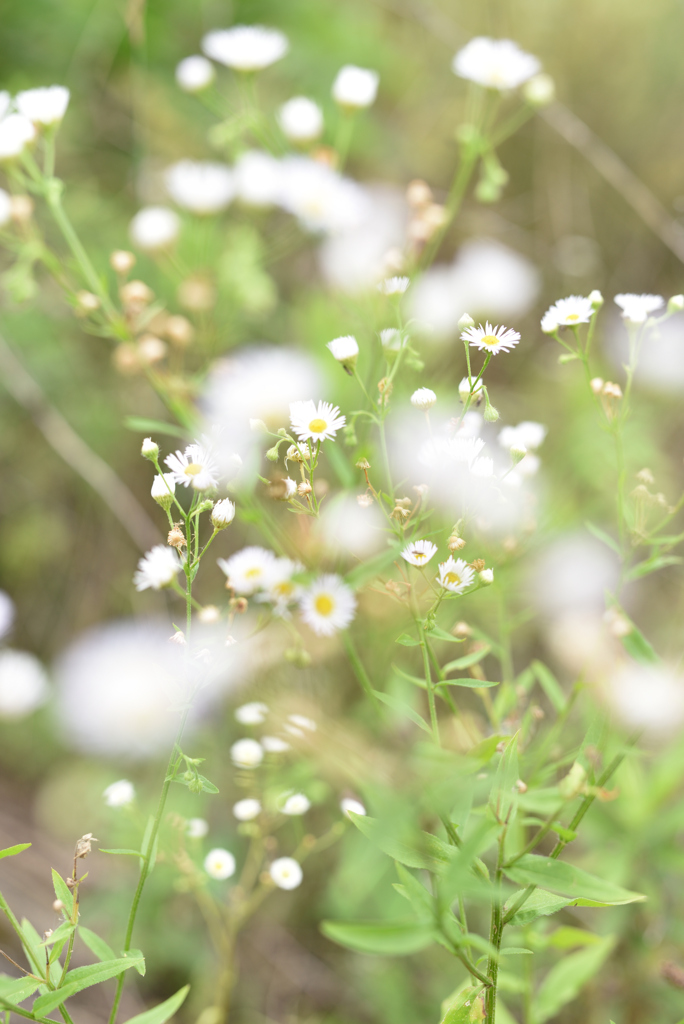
[568, 880]
[566, 979]
[396, 938]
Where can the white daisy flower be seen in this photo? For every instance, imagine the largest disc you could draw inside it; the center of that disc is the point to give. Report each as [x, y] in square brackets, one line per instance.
[637, 308]
[248, 570]
[43, 106]
[281, 589]
[423, 399]
[195, 466]
[247, 753]
[200, 186]
[300, 119]
[465, 388]
[154, 228]
[223, 513]
[528, 435]
[197, 828]
[274, 745]
[549, 324]
[347, 805]
[455, 575]
[258, 179]
[482, 466]
[286, 873]
[195, 73]
[16, 131]
[345, 350]
[419, 552]
[219, 864]
[491, 339]
[246, 47]
[157, 569]
[295, 804]
[247, 809]
[253, 713]
[568, 312]
[315, 422]
[327, 605]
[391, 339]
[303, 722]
[321, 199]
[355, 87]
[119, 794]
[495, 63]
[394, 285]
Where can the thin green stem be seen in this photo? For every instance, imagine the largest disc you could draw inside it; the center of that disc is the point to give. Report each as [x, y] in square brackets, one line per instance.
[359, 670]
[428, 682]
[495, 934]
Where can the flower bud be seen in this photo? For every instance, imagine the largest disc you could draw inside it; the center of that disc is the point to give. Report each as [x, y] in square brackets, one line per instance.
[149, 449]
[491, 414]
[272, 454]
[517, 453]
[176, 539]
[423, 399]
[486, 576]
[163, 489]
[179, 331]
[675, 304]
[465, 321]
[258, 427]
[574, 782]
[346, 351]
[86, 302]
[298, 656]
[540, 90]
[596, 385]
[455, 543]
[223, 514]
[596, 298]
[122, 261]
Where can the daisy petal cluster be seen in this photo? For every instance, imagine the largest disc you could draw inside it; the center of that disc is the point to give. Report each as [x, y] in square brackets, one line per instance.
[200, 186]
[491, 339]
[43, 106]
[154, 228]
[157, 569]
[16, 131]
[247, 809]
[637, 308]
[495, 63]
[327, 605]
[219, 864]
[300, 119]
[248, 570]
[247, 753]
[567, 313]
[315, 422]
[455, 575]
[195, 467]
[119, 794]
[286, 873]
[355, 87]
[195, 73]
[419, 552]
[394, 285]
[246, 47]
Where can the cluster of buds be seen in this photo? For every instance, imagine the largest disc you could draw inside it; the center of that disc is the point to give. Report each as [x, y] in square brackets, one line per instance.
[609, 393]
[427, 216]
[455, 541]
[385, 388]
[402, 510]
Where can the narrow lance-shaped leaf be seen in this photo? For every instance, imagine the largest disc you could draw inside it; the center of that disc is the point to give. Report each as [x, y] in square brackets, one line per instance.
[161, 1013]
[12, 851]
[63, 892]
[567, 978]
[569, 881]
[48, 1002]
[503, 798]
[96, 945]
[93, 974]
[397, 938]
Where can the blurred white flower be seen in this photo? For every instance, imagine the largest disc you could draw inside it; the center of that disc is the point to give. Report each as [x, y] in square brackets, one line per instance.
[394, 285]
[258, 178]
[195, 467]
[195, 73]
[568, 312]
[419, 552]
[5, 208]
[355, 257]
[119, 794]
[219, 864]
[286, 873]
[300, 119]
[648, 697]
[154, 227]
[572, 573]
[200, 186]
[248, 570]
[5, 102]
[455, 575]
[345, 350]
[637, 308]
[247, 753]
[157, 569]
[528, 435]
[322, 200]
[495, 63]
[43, 106]
[349, 805]
[247, 809]
[327, 605]
[303, 722]
[347, 528]
[245, 47]
[423, 399]
[280, 589]
[274, 744]
[470, 387]
[391, 339]
[355, 87]
[253, 713]
[295, 804]
[16, 131]
[7, 613]
[491, 339]
[197, 828]
[23, 684]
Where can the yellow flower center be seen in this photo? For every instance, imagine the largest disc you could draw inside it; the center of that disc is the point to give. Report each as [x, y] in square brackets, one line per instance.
[251, 573]
[284, 589]
[490, 340]
[317, 426]
[572, 316]
[452, 578]
[418, 555]
[193, 469]
[324, 604]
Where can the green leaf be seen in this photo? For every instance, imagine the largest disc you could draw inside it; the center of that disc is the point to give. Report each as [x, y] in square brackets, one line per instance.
[416, 680]
[567, 978]
[93, 974]
[503, 797]
[96, 945]
[467, 660]
[63, 932]
[570, 938]
[437, 633]
[63, 893]
[146, 426]
[389, 844]
[120, 853]
[472, 684]
[565, 833]
[136, 955]
[549, 685]
[407, 641]
[161, 1013]
[461, 1006]
[515, 951]
[48, 1002]
[540, 904]
[604, 537]
[457, 876]
[569, 880]
[397, 938]
[16, 990]
[415, 892]
[634, 642]
[12, 851]
[403, 708]
[31, 941]
[207, 786]
[637, 572]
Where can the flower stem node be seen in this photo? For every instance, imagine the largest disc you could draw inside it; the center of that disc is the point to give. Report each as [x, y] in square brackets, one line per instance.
[149, 449]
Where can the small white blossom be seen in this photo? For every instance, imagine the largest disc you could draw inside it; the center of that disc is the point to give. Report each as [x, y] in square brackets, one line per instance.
[119, 794]
[328, 605]
[394, 285]
[455, 575]
[345, 350]
[248, 570]
[316, 422]
[149, 449]
[223, 513]
[527, 435]
[195, 73]
[280, 588]
[349, 805]
[253, 713]
[286, 873]
[200, 186]
[247, 809]
[16, 131]
[321, 198]
[495, 63]
[245, 47]
[491, 339]
[355, 87]
[157, 569]
[23, 684]
[258, 178]
[391, 339]
[274, 745]
[568, 312]
[154, 227]
[303, 722]
[219, 864]
[194, 467]
[300, 119]
[419, 552]
[637, 308]
[44, 106]
[423, 398]
[295, 805]
[163, 489]
[197, 828]
[247, 753]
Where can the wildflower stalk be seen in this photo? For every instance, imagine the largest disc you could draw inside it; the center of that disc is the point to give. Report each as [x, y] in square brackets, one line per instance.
[495, 934]
[358, 667]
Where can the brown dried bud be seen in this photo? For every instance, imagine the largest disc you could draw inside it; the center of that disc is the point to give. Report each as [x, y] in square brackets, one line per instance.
[179, 331]
[455, 543]
[611, 390]
[363, 464]
[122, 261]
[403, 502]
[673, 974]
[521, 786]
[365, 500]
[645, 476]
[197, 294]
[83, 847]
[21, 208]
[304, 488]
[478, 564]
[151, 349]
[176, 537]
[537, 712]
[57, 906]
[462, 629]
[46, 934]
[86, 303]
[400, 514]
[135, 295]
[385, 387]
[126, 359]
[418, 193]
[238, 605]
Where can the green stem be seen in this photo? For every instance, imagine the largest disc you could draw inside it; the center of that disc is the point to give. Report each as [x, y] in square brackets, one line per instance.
[428, 682]
[359, 670]
[495, 935]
